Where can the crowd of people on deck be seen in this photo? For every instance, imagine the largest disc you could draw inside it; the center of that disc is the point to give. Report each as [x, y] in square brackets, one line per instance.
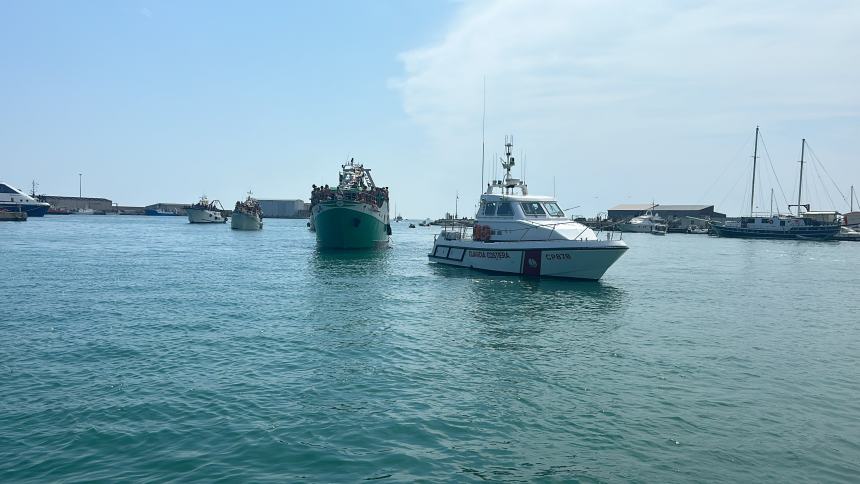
[375, 196]
[249, 206]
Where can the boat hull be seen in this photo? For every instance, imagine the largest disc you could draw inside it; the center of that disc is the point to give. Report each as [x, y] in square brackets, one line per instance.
[244, 221]
[815, 232]
[349, 225]
[31, 209]
[199, 216]
[158, 213]
[587, 260]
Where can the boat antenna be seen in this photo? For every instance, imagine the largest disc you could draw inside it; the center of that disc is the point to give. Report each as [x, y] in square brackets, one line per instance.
[755, 157]
[800, 183]
[852, 198]
[483, 130]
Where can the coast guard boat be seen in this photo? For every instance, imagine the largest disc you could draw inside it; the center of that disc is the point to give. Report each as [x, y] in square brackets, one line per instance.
[525, 234]
[206, 212]
[14, 200]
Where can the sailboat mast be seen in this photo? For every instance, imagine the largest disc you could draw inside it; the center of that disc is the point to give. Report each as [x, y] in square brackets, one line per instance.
[852, 198]
[771, 202]
[755, 157]
[800, 184]
[483, 126]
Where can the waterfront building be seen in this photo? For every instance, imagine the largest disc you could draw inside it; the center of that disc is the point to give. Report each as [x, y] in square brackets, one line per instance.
[74, 204]
[273, 208]
[676, 215]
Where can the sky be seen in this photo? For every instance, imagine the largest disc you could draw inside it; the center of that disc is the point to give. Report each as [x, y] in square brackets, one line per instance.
[608, 102]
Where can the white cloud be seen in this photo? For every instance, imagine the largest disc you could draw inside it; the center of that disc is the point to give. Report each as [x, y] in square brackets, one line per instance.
[626, 72]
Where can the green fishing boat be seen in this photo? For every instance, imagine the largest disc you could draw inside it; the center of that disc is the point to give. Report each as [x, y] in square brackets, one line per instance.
[354, 215]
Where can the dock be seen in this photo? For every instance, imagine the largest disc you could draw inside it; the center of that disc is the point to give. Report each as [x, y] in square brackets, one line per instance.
[13, 216]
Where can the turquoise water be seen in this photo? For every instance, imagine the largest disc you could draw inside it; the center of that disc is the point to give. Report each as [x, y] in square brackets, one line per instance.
[145, 348]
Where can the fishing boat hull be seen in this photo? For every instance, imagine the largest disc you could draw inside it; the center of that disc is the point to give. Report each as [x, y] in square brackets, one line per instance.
[587, 260]
[349, 225]
[245, 221]
[815, 232]
[200, 216]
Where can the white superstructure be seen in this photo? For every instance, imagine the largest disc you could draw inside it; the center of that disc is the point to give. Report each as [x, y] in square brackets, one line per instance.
[206, 212]
[525, 234]
[648, 223]
[15, 200]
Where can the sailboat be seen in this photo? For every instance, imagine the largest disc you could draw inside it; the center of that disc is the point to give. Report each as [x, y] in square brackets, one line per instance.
[777, 226]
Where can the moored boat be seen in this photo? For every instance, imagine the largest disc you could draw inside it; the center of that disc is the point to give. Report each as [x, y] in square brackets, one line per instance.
[353, 215]
[648, 222]
[7, 216]
[15, 200]
[247, 215]
[525, 234]
[206, 212]
[778, 226]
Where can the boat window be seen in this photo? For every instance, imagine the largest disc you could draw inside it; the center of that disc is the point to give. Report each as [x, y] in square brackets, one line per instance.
[490, 209]
[532, 208]
[553, 210]
[7, 189]
[505, 209]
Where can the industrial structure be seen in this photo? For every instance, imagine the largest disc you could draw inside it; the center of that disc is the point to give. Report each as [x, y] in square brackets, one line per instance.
[677, 216]
[74, 204]
[285, 208]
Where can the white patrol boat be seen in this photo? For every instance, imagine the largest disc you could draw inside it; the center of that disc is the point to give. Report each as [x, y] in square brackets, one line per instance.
[525, 234]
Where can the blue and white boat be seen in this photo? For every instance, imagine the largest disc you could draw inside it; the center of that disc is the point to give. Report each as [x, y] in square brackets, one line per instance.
[14, 200]
[803, 226]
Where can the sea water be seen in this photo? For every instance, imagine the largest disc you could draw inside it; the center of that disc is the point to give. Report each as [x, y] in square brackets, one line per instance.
[146, 348]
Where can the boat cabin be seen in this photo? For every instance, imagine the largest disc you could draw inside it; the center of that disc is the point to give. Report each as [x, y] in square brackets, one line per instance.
[518, 207]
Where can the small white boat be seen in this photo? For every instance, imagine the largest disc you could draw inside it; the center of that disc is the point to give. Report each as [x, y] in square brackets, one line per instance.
[648, 222]
[525, 234]
[247, 215]
[206, 212]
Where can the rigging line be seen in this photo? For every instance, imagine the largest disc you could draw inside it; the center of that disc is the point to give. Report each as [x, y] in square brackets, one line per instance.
[773, 170]
[823, 186]
[815, 157]
[734, 160]
[731, 190]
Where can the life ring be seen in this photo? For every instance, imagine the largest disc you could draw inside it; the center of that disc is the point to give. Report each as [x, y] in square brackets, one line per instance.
[477, 232]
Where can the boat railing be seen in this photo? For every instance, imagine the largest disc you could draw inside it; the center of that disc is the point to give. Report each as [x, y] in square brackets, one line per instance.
[464, 232]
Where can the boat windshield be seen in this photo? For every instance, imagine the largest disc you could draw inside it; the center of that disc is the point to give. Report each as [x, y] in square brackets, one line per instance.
[7, 189]
[504, 209]
[553, 209]
[490, 209]
[532, 208]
